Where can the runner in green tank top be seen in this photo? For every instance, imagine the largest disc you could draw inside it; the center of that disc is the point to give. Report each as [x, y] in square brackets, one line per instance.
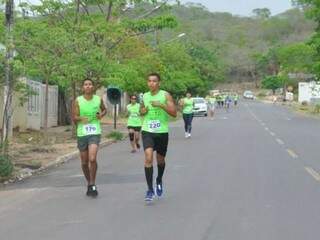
[187, 105]
[156, 108]
[134, 123]
[88, 110]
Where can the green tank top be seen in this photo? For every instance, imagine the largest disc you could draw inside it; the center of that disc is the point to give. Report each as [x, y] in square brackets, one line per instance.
[156, 119]
[187, 105]
[212, 100]
[134, 119]
[89, 109]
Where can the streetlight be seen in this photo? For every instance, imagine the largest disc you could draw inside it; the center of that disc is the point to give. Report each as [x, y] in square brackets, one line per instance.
[175, 38]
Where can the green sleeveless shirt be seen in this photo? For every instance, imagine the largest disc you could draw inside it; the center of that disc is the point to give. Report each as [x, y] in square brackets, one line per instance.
[156, 119]
[89, 109]
[134, 119]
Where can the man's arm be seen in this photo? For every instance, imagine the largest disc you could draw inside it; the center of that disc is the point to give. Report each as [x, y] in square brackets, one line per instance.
[170, 107]
[143, 109]
[103, 110]
[76, 113]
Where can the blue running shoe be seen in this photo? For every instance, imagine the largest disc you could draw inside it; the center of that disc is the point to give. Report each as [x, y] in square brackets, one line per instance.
[149, 196]
[159, 189]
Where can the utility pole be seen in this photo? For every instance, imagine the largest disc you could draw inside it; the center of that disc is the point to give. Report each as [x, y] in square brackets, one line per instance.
[8, 88]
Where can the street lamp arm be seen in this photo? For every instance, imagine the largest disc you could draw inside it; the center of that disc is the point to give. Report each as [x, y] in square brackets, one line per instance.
[153, 10]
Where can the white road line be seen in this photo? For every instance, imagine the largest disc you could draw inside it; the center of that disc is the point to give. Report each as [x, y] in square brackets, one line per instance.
[272, 134]
[280, 141]
[313, 173]
[292, 153]
[267, 129]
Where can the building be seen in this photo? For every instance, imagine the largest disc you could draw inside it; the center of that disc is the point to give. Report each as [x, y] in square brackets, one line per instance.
[309, 92]
[28, 113]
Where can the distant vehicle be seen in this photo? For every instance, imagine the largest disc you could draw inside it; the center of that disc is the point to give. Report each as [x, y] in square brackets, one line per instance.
[248, 95]
[200, 107]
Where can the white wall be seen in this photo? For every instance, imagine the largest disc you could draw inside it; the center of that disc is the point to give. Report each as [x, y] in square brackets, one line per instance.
[308, 91]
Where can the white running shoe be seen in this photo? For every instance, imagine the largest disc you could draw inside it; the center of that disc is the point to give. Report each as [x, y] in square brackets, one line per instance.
[186, 135]
[189, 135]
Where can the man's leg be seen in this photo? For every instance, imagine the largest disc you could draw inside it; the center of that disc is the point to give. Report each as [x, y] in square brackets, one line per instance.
[85, 164]
[93, 166]
[148, 167]
[161, 167]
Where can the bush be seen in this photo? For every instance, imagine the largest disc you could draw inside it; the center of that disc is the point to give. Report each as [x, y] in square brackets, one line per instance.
[262, 94]
[6, 166]
[115, 135]
[316, 108]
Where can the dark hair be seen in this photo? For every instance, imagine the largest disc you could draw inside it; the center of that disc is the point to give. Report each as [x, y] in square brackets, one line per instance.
[155, 75]
[87, 79]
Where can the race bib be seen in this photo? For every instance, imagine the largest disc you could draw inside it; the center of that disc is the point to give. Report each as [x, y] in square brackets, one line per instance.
[154, 125]
[90, 129]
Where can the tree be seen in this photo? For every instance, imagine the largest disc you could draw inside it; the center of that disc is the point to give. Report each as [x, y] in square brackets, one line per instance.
[5, 163]
[272, 82]
[262, 13]
[296, 58]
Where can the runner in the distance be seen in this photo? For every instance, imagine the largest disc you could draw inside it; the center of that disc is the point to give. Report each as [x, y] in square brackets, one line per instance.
[235, 99]
[134, 123]
[187, 105]
[88, 110]
[156, 107]
[212, 106]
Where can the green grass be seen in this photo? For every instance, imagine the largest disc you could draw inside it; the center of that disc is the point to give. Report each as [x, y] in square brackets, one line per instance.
[115, 135]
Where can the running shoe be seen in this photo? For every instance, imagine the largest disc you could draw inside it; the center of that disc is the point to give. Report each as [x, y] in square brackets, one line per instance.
[159, 189]
[92, 191]
[149, 196]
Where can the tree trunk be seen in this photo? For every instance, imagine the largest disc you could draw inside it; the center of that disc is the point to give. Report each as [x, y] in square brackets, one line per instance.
[8, 89]
[74, 125]
[63, 111]
[109, 14]
[46, 111]
[254, 78]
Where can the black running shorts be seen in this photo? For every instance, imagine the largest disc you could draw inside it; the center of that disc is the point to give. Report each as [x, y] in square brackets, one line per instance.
[136, 129]
[157, 141]
[85, 141]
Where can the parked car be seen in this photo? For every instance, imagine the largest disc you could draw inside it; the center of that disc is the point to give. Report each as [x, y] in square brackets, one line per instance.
[248, 95]
[200, 107]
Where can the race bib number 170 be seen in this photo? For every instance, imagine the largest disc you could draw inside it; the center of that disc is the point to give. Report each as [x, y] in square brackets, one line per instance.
[90, 129]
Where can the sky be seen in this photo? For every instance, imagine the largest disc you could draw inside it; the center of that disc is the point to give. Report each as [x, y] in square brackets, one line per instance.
[236, 7]
[243, 7]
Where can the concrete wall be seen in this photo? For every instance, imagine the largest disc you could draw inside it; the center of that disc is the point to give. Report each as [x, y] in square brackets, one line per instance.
[19, 112]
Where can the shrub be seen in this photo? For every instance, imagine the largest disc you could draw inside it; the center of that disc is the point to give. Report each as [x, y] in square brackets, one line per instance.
[6, 166]
[116, 135]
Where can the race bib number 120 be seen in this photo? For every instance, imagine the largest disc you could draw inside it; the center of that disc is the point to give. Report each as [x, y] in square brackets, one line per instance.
[154, 125]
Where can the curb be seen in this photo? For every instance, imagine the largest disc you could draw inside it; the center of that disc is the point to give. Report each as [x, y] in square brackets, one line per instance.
[28, 173]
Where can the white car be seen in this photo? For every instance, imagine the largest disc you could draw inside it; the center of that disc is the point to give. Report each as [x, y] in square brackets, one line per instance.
[248, 95]
[200, 107]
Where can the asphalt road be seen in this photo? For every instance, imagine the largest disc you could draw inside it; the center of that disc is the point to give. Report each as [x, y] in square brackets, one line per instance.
[251, 174]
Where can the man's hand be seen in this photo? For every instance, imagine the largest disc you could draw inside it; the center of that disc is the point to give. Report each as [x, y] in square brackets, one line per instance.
[84, 120]
[99, 115]
[157, 104]
[143, 110]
